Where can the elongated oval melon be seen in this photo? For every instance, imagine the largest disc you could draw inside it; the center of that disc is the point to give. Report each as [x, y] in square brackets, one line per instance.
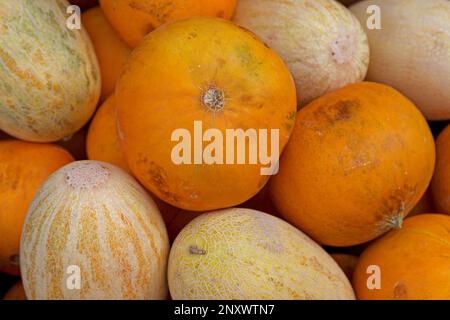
[92, 232]
[247, 254]
[49, 75]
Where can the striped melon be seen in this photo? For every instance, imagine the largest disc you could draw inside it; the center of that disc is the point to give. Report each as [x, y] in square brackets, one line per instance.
[49, 75]
[92, 232]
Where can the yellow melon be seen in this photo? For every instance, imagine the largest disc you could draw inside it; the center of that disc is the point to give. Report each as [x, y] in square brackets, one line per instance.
[247, 254]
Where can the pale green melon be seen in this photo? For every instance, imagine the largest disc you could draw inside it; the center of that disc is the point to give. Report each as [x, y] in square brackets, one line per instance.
[49, 75]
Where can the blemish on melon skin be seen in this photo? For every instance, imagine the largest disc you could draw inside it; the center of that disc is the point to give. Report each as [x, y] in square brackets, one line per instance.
[343, 49]
[197, 251]
[329, 115]
[343, 111]
[400, 291]
[192, 35]
[162, 12]
[393, 209]
[290, 121]
[248, 61]
[157, 174]
[14, 260]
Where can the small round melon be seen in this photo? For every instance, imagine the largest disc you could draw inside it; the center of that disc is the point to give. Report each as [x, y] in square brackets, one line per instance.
[92, 232]
[411, 263]
[247, 254]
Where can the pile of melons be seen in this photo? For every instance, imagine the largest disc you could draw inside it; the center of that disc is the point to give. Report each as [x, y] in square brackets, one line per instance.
[93, 206]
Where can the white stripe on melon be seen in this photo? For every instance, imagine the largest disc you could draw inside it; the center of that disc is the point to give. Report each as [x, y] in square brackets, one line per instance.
[94, 215]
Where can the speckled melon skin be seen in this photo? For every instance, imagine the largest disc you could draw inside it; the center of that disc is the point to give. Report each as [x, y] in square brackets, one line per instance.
[49, 75]
[247, 254]
[95, 216]
[322, 43]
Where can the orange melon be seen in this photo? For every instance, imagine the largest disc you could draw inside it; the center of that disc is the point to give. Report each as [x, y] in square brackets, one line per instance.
[359, 159]
[440, 185]
[210, 73]
[134, 19]
[410, 263]
[102, 141]
[112, 52]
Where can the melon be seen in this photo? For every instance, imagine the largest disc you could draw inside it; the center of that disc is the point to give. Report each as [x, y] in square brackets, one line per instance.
[411, 263]
[322, 43]
[92, 232]
[411, 50]
[440, 184]
[102, 141]
[247, 254]
[49, 79]
[196, 80]
[359, 160]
